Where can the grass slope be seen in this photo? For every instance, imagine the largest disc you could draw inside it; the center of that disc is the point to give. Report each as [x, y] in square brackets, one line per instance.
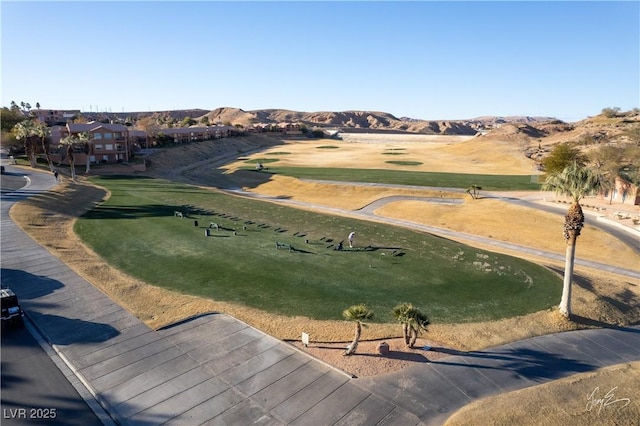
[136, 230]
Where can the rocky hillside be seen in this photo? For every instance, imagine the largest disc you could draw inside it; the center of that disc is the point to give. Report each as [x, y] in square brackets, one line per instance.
[347, 121]
[546, 130]
[537, 139]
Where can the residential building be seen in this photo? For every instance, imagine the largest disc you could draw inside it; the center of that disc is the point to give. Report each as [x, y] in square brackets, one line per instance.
[52, 117]
[109, 143]
[194, 134]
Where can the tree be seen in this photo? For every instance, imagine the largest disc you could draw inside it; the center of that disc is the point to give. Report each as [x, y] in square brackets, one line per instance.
[560, 157]
[26, 132]
[205, 121]
[84, 140]
[401, 313]
[474, 191]
[418, 323]
[608, 160]
[69, 143]
[575, 181]
[42, 131]
[9, 118]
[610, 112]
[187, 121]
[357, 314]
[413, 321]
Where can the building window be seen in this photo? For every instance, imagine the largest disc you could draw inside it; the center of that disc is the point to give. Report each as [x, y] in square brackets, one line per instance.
[108, 135]
[97, 135]
[109, 147]
[98, 147]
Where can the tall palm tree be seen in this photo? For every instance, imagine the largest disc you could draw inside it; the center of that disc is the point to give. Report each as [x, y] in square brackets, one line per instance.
[84, 140]
[26, 131]
[42, 131]
[358, 314]
[575, 181]
[70, 142]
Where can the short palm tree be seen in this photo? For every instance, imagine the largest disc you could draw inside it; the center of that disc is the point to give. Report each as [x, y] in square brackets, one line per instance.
[358, 314]
[413, 321]
[401, 313]
[575, 181]
[418, 322]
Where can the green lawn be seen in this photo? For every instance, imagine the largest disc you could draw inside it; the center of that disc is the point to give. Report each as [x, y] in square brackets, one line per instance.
[396, 177]
[136, 231]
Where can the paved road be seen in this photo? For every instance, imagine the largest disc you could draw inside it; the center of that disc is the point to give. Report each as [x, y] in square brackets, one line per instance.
[215, 369]
[34, 387]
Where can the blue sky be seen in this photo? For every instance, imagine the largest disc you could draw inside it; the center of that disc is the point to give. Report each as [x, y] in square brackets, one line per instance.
[427, 60]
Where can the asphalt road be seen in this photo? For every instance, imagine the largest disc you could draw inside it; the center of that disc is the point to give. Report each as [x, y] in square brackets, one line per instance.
[34, 390]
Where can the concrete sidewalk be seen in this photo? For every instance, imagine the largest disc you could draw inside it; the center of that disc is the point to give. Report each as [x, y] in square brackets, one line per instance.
[214, 369]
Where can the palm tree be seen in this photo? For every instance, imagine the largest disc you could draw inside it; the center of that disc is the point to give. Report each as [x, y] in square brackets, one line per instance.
[42, 131]
[358, 314]
[401, 313]
[26, 131]
[69, 142]
[418, 322]
[413, 321]
[84, 140]
[575, 181]
[474, 191]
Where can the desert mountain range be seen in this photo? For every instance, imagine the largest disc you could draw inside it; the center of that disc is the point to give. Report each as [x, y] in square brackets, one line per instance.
[354, 121]
[510, 128]
[348, 121]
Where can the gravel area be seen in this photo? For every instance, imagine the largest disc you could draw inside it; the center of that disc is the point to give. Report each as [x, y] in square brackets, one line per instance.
[368, 361]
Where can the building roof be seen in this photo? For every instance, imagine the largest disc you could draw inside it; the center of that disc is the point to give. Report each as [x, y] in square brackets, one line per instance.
[189, 130]
[94, 125]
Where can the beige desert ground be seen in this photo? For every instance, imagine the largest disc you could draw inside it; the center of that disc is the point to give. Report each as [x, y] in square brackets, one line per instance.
[599, 298]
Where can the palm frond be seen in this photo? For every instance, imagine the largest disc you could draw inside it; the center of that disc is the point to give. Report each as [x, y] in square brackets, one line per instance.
[357, 313]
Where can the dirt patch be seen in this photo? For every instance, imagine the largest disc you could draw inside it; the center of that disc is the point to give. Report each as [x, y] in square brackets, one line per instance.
[369, 361]
[609, 396]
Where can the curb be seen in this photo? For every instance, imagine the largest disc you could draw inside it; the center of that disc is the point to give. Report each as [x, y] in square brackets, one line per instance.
[82, 386]
[618, 225]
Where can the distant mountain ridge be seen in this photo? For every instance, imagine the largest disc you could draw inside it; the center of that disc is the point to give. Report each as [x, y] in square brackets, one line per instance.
[346, 121]
[354, 121]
